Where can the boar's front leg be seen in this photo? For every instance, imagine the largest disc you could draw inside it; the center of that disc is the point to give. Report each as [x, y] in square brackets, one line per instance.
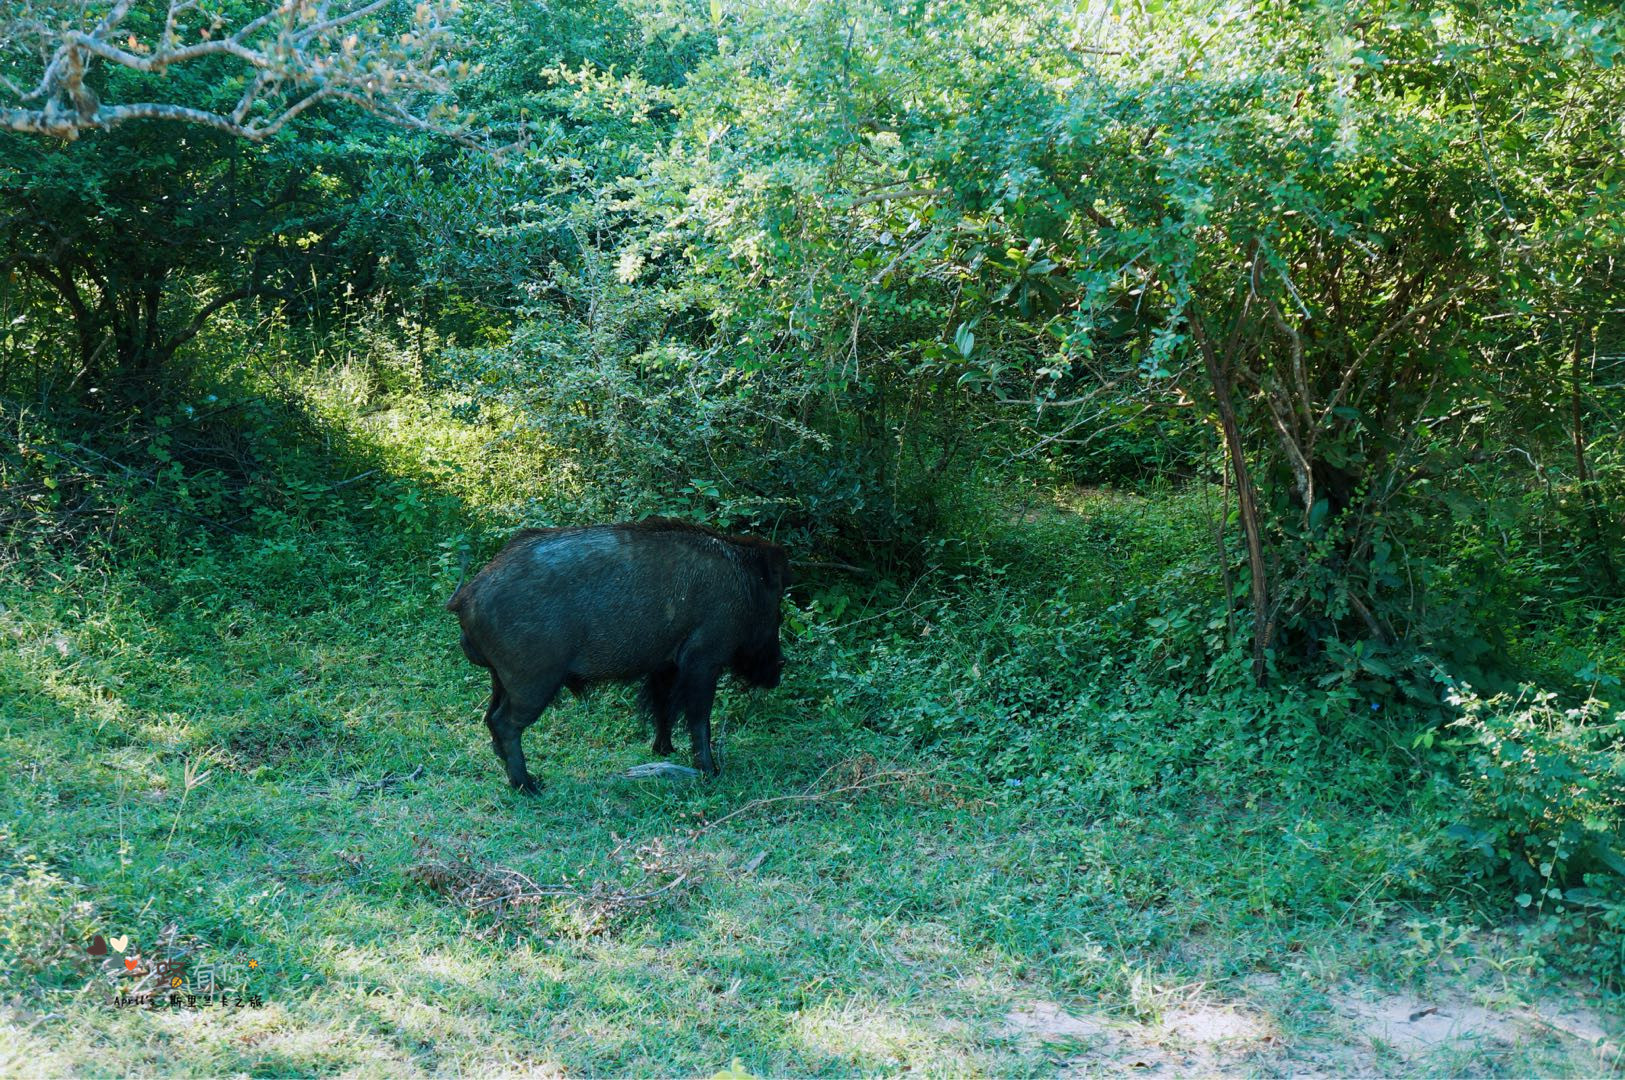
[696, 692]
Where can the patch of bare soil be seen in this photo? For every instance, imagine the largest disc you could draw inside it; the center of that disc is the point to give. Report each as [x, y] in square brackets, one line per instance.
[1195, 1039]
[1048, 1022]
[1411, 1028]
[1387, 1029]
[1372, 1034]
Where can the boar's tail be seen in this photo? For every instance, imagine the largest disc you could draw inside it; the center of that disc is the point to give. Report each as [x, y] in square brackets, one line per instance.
[457, 596]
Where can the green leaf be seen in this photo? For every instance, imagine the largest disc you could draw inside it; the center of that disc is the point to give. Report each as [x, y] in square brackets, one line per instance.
[1377, 667]
[1612, 858]
[964, 340]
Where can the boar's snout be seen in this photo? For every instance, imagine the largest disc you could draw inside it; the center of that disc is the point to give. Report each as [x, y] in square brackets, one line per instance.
[763, 670]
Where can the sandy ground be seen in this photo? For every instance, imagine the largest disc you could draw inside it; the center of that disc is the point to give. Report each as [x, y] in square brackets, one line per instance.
[1360, 1033]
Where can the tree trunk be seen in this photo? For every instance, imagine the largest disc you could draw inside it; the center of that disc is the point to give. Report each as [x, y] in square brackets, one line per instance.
[1588, 494]
[1219, 376]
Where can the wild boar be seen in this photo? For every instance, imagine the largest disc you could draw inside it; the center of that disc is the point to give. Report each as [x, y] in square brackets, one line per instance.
[665, 601]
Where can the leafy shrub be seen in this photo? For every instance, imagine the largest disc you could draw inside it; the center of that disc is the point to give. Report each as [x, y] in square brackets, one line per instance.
[1546, 786]
[1140, 448]
[1544, 789]
[44, 919]
[1086, 658]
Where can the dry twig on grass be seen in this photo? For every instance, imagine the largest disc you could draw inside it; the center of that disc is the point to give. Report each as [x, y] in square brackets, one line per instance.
[387, 781]
[668, 769]
[850, 776]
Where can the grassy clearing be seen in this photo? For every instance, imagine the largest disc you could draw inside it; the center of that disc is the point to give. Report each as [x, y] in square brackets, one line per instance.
[271, 750]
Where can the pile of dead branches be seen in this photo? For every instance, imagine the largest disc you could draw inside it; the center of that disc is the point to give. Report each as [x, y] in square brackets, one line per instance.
[502, 894]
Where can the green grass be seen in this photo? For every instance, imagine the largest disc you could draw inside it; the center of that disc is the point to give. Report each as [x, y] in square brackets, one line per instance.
[1034, 829]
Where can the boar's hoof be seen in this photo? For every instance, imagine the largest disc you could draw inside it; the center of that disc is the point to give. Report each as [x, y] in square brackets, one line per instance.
[528, 786]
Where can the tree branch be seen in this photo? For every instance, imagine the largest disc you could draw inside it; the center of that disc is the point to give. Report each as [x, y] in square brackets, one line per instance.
[1389, 331]
[300, 49]
[901, 193]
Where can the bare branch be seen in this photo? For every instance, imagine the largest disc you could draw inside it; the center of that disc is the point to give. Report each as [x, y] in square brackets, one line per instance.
[246, 102]
[344, 20]
[1299, 377]
[158, 61]
[899, 193]
[193, 328]
[40, 122]
[1389, 331]
[296, 54]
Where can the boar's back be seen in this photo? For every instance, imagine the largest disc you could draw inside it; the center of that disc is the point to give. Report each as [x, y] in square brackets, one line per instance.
[613, 601]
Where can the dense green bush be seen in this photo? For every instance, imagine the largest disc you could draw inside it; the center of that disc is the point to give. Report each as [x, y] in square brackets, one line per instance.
[1544, 816]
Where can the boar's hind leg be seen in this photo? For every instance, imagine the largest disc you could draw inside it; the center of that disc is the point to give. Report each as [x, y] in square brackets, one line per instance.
[657, 698]
[519, 710]
[696, 691]
[498, 697]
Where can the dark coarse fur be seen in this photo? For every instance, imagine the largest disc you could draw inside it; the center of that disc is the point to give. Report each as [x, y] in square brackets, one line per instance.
[668, 602]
